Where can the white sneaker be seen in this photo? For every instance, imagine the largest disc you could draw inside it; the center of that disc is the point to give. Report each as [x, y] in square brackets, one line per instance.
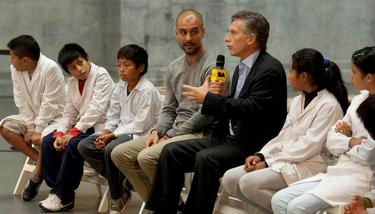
[54, 204]
[50, 196]
[118, 206]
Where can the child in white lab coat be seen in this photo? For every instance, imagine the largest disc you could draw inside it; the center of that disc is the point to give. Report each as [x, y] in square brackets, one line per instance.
[89, 91]
[365, 204]
[354, 172]
[295, 153]
[39, 94]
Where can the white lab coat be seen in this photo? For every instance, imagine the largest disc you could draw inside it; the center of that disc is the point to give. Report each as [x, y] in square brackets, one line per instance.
[296, 151]
[135, 113]
[89, 109]
[353, 173]
[40, 99]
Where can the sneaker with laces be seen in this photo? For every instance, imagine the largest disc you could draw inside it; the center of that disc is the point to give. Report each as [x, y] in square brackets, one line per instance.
[53, 204]
[118, 206]
[48, 198]
[31, 190]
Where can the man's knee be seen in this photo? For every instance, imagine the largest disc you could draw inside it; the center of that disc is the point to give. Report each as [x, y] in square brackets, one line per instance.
[148, 156]
[207, 158]
[120, 156]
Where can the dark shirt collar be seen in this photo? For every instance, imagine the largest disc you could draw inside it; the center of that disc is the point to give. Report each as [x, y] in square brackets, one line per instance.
[310, 96]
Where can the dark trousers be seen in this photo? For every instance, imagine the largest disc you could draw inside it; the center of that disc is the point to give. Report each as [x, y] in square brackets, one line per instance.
[62, 170]
[101, 161]
[208, 158]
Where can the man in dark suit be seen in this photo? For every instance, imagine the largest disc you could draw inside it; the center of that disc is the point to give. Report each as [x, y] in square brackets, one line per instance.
[250, 116]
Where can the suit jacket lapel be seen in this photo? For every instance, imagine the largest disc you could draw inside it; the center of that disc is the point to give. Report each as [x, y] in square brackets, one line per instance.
[234, 82]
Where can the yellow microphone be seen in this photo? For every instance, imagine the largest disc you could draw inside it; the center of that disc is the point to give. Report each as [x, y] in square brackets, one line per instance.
[219, 73]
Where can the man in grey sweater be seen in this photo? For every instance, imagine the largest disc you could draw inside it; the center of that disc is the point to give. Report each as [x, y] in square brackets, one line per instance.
[180, 118]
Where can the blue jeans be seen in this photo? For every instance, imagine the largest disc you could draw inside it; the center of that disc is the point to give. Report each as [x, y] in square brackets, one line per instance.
[62, 170]
[296, 200]
[101, 161]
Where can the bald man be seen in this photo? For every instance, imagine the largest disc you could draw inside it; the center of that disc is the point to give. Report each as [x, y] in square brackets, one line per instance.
[180, 118]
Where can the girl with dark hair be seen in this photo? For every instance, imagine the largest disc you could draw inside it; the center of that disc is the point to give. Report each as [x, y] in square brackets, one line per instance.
[365, 204]
[295, 153]
[349, 139]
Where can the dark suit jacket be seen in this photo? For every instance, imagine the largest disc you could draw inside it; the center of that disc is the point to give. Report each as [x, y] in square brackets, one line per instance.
[260, 110]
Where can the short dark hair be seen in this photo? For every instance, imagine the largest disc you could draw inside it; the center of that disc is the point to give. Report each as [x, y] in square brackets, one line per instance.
[255, 23]
[25, 46]
[69, 53]
[366, 112]
[364, 59]
[136, 54]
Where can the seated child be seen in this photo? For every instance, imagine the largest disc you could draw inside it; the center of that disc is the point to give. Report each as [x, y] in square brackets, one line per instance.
[134, 107]
[89, 91]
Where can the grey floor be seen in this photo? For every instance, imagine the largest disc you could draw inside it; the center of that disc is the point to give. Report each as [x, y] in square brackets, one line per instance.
[11, 162]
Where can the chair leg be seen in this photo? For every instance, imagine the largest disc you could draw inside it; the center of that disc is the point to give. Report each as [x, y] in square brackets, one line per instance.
[100, 192]
[142, 208]
[221, 200]
[21, 183]
[27, 168]
[104, 202]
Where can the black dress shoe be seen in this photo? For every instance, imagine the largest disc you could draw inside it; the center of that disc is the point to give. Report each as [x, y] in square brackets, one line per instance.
[30, 191]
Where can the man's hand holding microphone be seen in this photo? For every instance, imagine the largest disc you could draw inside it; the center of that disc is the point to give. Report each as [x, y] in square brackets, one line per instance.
[216, 83]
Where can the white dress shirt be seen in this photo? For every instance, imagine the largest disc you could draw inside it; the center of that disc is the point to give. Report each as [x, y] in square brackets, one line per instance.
[135, 113]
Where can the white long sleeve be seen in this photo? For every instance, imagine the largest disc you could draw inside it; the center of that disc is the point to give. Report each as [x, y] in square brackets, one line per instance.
[89, 109]
[338, 143]
[135, 113]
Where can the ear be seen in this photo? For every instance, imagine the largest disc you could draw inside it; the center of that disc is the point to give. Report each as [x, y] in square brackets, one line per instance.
[252, 40]
[304, 76]
[204, 31]
[370, 78]
[25, 59]
[141, 68]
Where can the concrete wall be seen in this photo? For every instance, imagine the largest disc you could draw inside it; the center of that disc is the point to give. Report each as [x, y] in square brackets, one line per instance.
[335, 27]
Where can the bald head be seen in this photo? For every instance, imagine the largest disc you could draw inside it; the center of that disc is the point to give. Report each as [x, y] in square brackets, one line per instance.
[190, 14]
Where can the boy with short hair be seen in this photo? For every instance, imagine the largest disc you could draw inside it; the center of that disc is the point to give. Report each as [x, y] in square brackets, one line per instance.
[39, 94]
[134, 107]
[89, 90]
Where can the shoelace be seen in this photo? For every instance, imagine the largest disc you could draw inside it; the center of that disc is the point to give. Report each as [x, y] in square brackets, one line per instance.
[115, 205]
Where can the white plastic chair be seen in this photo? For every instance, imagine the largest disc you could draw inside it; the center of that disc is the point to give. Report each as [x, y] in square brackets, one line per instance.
[89, 175]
